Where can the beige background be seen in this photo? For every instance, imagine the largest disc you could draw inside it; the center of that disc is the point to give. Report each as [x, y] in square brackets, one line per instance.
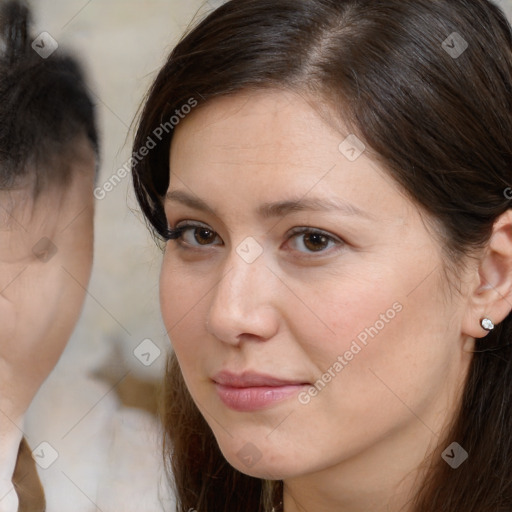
[107, 453]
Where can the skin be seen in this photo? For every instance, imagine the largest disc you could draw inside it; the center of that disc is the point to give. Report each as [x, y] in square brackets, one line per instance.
[40, 301]
[358, 444]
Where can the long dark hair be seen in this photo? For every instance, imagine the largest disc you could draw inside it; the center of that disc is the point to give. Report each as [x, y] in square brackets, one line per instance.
[427, 85]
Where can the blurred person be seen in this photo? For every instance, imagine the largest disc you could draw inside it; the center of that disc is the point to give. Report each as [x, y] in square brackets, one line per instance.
[48, 163]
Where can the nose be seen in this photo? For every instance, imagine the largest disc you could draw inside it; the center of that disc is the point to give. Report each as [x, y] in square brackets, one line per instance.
[244, 303]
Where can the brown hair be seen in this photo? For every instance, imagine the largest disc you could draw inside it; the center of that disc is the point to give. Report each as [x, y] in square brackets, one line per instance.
[440, 122]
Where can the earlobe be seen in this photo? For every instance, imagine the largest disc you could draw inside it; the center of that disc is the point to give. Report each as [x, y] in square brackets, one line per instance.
[490, 300]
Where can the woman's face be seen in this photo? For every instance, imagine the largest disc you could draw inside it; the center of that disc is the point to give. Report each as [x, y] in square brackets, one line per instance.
[307, 304]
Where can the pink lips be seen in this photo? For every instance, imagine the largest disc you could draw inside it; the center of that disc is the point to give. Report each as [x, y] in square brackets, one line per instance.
[251, 391]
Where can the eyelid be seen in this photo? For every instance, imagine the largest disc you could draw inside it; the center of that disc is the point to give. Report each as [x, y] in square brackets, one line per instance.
[192, 223]
[307, 229]
[175, 232]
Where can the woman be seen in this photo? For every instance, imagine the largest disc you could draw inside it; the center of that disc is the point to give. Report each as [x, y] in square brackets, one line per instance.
[337, 277]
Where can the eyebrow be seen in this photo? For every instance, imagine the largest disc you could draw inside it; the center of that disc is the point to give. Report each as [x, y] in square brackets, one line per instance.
[279, 208]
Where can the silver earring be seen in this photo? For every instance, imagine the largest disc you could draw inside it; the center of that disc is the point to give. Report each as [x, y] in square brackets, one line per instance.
[487, 324]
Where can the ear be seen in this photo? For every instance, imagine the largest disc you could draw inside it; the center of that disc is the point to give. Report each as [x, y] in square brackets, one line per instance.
[491, 291]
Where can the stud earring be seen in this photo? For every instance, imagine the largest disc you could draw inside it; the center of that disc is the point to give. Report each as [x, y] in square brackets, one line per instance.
[487, 324]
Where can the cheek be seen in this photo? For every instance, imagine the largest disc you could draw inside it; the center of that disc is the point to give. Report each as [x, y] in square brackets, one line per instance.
[379, 358]
[357, 332]
[183, 300]
[8, 321]
[75, 260]
[344, 315]
[64, 281]
[184, 317]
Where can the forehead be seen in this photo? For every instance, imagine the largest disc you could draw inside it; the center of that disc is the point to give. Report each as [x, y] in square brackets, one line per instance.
[45, 164]
[51, 185]
[270, 146]
[250, 134]
[26, 217]
[250, 119]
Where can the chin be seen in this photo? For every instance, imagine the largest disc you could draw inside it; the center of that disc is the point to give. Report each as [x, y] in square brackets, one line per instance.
[250, 461]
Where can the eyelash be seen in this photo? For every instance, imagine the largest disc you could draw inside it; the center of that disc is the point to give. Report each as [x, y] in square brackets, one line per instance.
[177, 235]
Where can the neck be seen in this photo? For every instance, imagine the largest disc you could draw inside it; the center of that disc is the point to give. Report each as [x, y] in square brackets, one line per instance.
[10, 438]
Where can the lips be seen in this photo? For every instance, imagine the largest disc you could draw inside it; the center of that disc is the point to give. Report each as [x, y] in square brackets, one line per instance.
[252, 379]
[252, 391]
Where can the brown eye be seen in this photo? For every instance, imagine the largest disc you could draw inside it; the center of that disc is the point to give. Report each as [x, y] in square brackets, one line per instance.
[204, 236]
[310, 241]
[315, 241]
[195, 235]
